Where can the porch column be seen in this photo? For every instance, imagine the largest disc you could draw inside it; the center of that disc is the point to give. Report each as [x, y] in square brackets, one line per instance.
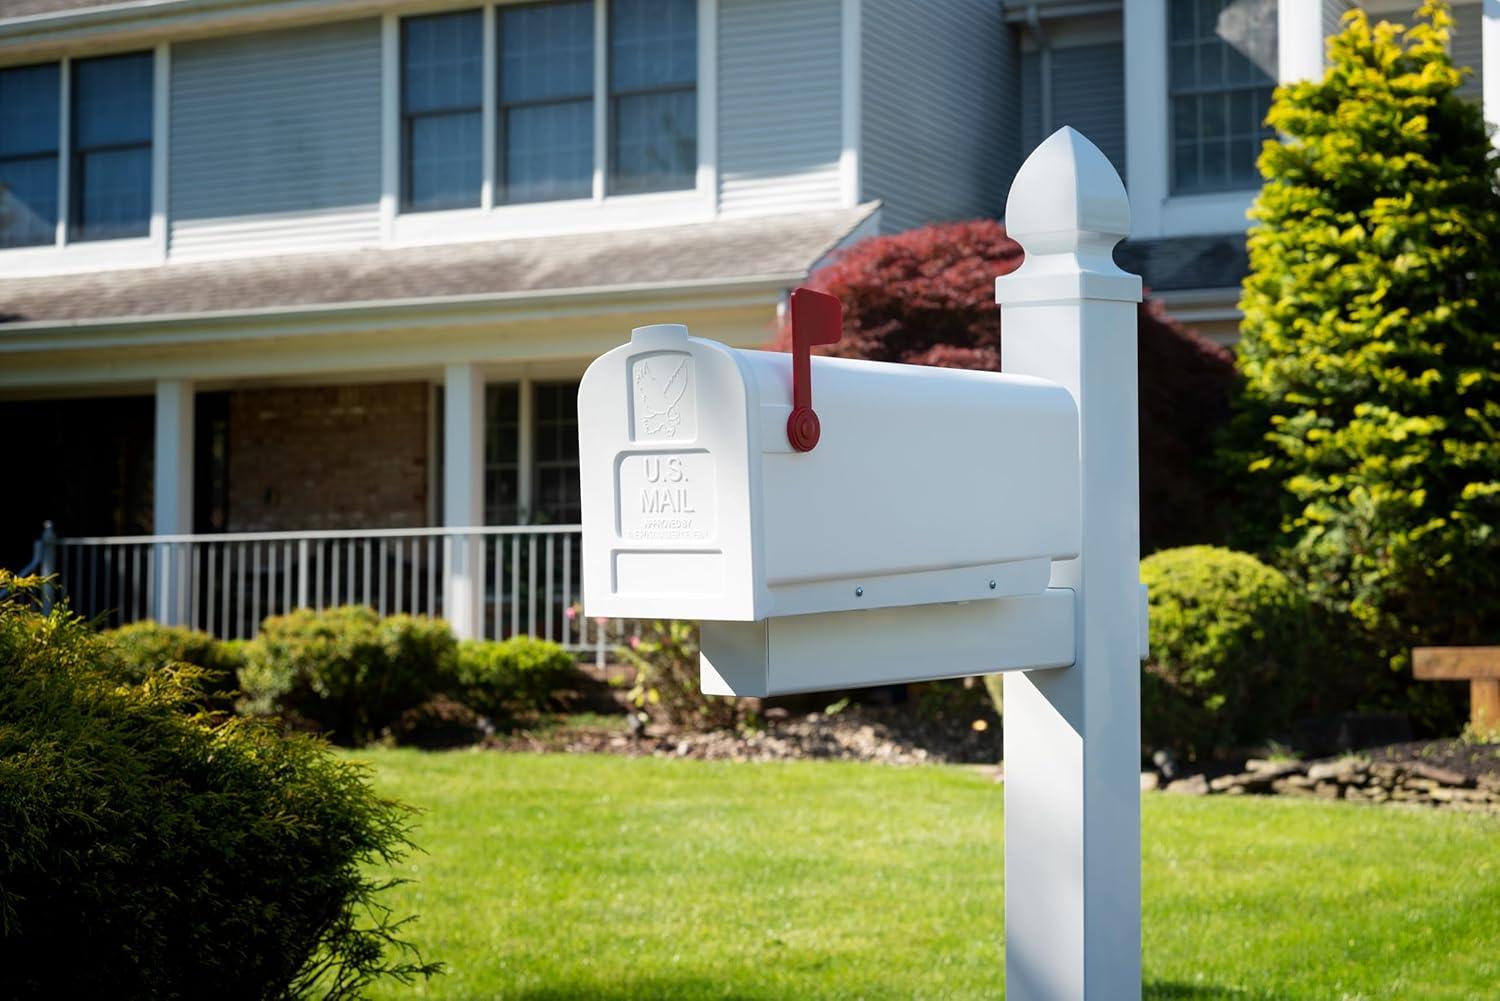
[1299, 46]
[463, 495]
[1490, 61]
[173, 497]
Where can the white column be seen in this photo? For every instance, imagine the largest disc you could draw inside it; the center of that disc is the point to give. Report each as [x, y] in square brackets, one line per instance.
[525, 450]
[463, 494]
[172, 499]
[1146, 135]
[1299, 40]
[1490, 60]
[1072, 735]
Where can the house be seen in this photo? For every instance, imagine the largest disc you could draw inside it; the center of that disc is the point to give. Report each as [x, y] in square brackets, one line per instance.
[297, 288]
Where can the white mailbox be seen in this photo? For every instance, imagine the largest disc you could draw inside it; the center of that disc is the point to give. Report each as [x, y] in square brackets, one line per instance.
[920, 486]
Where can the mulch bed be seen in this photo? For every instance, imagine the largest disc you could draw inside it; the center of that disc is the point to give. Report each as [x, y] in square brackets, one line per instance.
[890, 735]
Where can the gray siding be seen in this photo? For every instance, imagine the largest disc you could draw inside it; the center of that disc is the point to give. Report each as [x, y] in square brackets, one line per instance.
[779, 115]
[1468, 46]
[1333, 13]
[275, 140]
[1011, 115]
[1088, 93]
[932, 84]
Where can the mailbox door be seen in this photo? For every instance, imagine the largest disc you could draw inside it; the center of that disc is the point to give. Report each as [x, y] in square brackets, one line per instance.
[665, 449]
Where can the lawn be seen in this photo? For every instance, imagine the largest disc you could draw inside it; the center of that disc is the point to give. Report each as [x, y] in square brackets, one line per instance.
[552, 877]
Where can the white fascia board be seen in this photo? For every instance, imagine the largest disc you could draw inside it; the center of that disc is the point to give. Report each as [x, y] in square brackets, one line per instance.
[37, 36]
[280, 322]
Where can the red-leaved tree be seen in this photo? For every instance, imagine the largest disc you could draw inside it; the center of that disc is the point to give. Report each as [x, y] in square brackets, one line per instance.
[927, 297]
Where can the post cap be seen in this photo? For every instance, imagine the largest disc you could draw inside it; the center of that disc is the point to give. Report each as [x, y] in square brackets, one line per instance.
[1067, 209]
[1067, 184]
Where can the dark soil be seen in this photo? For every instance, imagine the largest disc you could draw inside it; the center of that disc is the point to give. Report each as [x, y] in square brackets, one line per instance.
[1468, 759]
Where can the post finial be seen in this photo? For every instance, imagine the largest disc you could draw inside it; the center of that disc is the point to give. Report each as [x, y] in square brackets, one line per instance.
[1067, 209]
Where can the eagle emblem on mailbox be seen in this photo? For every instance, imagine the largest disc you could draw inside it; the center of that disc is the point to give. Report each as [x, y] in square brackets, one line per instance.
[660, 382]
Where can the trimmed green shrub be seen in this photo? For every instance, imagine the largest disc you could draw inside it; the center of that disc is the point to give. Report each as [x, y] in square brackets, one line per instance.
[346, 670]
[142, 647]
[1233, 651]
[513, 677]
[146, 853]
[1371, 416]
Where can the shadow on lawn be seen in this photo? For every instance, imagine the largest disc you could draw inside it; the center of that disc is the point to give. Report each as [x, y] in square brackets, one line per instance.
[634, 990]
[663, 988]
[1163, 991]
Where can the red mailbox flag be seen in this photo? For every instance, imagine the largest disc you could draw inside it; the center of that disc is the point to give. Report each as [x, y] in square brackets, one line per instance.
[817, 318]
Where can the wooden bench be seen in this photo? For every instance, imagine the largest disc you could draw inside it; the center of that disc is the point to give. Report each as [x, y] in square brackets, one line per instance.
[1478, 665]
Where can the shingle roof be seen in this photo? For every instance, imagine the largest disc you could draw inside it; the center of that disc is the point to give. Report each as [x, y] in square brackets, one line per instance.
[771, 247]
[1187, 262]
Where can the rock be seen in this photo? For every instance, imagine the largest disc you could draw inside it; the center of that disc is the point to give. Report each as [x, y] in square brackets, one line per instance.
[1224, 783]
[1268, 770]
[1444, 776]
[1342, 770]
[1150, 781]
[1293, 785]
[1192, 785]
[1328, 790]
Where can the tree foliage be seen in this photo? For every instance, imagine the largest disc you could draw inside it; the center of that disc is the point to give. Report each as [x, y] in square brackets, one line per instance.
[1371, 418]
[927, 297]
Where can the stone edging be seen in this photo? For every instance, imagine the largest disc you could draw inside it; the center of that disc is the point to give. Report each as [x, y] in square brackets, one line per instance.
[1350, 778]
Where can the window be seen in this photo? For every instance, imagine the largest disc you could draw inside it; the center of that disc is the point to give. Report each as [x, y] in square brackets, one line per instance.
[110, 173]
[1219, 99]
[549, 102]
[107, 150]
[558, 494]
[653, 72]
[28, 155]
[546, 54]
[502, 462]
[441, 78]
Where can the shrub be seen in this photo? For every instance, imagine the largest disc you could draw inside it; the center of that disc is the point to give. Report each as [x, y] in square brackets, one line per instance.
[145, 853]
[510, 677]
[927, 297]
[665, 657]
[1233, 651]
[1372, 395]
[346, 670]
[142, 647]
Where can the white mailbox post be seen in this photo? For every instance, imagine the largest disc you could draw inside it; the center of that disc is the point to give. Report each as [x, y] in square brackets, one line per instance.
[839, 523]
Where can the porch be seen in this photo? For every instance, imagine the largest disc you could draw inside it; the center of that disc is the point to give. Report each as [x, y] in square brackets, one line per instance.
[450, 493]
[489, 582]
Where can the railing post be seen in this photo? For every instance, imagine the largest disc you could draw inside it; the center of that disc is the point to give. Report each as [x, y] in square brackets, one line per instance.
[302, 573]
[1072, 736]
[47, 558]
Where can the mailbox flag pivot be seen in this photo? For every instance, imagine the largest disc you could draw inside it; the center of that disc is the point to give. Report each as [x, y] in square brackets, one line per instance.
[817, 318]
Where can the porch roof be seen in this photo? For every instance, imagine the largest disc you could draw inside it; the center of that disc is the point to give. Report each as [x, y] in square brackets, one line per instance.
[771, 248]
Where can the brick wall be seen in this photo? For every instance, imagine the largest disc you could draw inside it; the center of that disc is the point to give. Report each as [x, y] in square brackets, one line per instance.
[328, 457]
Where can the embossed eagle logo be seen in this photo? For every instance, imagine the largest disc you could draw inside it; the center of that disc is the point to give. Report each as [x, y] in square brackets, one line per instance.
[657, 399]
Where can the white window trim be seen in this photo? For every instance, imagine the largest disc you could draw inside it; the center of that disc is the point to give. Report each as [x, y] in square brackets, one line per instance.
[65, 255]
[598, 212]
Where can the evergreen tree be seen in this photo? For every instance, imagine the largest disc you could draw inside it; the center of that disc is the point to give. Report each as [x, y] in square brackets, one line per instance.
[1370, 339]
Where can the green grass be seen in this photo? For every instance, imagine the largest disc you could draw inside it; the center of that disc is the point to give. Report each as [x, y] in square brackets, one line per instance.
[552, 877]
